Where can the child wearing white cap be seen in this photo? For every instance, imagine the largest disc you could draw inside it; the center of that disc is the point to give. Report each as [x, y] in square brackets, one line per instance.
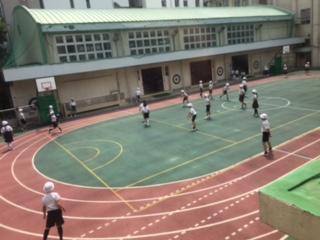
[138, 95]
[55, 122]
[22, 119]
[201, 88]
[146, 114]
[185, 98]
[210, 89]
[255, 104]
[245, 84]
[242, 94]
[208, 107]
[7, 133]
[225, 91]
[52, 210]
[192, 114]
[266, 133]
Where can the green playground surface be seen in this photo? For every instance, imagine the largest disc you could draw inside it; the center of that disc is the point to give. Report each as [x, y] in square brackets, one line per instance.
[122, 153]
[300, 189]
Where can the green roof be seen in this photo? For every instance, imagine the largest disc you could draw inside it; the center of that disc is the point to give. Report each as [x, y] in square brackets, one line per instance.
[90, 16]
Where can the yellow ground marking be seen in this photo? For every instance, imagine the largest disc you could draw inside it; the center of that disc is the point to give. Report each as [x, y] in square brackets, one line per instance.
[97, 150]
[94, 174]
[113, 159]
[215, 151]
[199, 132]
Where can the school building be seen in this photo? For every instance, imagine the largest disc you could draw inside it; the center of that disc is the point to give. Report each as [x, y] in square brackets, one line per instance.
[99, 57]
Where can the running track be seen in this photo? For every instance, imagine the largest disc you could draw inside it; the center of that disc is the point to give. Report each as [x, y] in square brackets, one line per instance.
[220, 206]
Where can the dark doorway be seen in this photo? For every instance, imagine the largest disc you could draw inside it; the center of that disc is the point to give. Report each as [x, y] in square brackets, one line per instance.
[200, 71]
[152, 80]
[240, 63]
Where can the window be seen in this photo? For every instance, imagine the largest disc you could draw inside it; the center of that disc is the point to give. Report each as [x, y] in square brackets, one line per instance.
[82, 47]
[88, 4]
[185, 3]
[177, 3]
[41, 4]
[305, 16]
[199, 37]
[241, 33]
[72, 3]
[148, 42]
[197, 3]
[164, 3]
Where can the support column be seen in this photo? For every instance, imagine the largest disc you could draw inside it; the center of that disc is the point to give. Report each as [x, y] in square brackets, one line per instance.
[315, 30]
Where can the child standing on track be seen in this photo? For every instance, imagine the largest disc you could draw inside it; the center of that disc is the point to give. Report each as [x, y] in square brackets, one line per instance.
[138, 95]
[146, 114]
[192, 114]
[55, 122]
[225, 91]
[52, 210]
[208, 107]
[185, 98]
[244, 83]
[255, 104]
[285, 70]
[307, 67]
[242, 94]
[7, 133]
[201, 88]
[266, 133]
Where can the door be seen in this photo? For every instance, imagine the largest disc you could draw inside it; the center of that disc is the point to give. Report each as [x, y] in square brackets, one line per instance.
[200, 71]
[152, 80]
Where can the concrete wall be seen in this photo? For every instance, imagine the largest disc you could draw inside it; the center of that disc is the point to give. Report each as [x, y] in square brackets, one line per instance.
[22, 92]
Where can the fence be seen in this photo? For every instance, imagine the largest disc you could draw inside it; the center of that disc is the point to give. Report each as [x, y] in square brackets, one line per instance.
[11, 115]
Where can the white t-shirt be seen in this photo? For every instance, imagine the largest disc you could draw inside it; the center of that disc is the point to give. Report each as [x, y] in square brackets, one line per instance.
[73, 103]
[193, 111]
[210, 86]
[145, 109]
[138, 92]
[53, 118]
[6, 129]
[207, 101]
[50, 201]
[200, 85]
[265, 126]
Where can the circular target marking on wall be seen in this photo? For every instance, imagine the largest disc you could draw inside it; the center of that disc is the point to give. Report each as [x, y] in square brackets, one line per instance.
[176, 79]
[256, 64]
[266, 104]
[220, 71]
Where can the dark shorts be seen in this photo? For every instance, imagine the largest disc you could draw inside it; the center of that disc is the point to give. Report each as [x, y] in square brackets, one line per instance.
[224, 92]
[245, 88]
[146, 115]
[208, 108]
[210, 91]
[241, 98]
[8, 137]
[73, 108]
[265, 136]
[54, 217]
[23, 121]
[185, 98]
[55, 124]
[193, 118]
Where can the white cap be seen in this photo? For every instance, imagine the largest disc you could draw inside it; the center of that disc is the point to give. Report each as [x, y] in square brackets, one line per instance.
[210, 81]
[189, 104]
[263, 116]
[227, 84]
[50, 106]
[20, 109]
[254, 91]
[244, 78]
[48, 187]
[182, 90]
[4, 123]
[200, 81]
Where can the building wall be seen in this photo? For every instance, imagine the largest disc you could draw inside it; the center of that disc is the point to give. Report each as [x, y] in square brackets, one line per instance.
[22, 92]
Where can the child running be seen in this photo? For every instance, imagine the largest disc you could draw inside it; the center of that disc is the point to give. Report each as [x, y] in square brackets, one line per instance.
[55, 122]
[225, 91]
[242, 94]
[208, 107]
[7, 133]
[22, 119]
[255, 104]
[201, 88]
[146, 114]
[244, 83]
[192, 114]
[185, 98]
